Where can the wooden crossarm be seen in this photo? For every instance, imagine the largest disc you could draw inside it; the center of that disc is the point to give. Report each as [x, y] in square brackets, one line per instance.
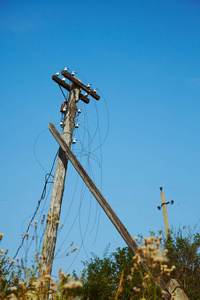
[68, 88]
[80, 84]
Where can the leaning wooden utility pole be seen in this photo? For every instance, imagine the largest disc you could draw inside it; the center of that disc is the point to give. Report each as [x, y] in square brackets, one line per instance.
[53, 217]
[172, 287]
[96, 193]
[104, 204]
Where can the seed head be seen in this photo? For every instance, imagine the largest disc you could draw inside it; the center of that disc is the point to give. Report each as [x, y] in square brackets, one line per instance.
[21, 284]
[63, 276]
[72, 284]
[137, 290]
[76, 248]
[12, 297]
[47, 277]
[173, 268]
[129, 277]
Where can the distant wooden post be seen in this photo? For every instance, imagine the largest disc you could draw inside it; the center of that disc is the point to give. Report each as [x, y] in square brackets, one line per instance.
[165, 216]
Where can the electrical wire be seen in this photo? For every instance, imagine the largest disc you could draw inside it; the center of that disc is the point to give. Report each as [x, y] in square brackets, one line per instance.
[82, 237]
[34, 151]
[69, 209]
[106, 135]
[62, 92]
[83, 153]
[86, 152]
[82, 196]
[97, 206]
[47, 176]
[89, 145]
[87, 224]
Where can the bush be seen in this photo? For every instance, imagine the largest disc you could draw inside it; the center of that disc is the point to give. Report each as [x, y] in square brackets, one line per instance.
[183, 252]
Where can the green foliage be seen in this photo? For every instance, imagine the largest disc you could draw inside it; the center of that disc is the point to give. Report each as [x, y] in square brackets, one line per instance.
[118, 276]
[8, 276]
[101, 277]
[183, 251]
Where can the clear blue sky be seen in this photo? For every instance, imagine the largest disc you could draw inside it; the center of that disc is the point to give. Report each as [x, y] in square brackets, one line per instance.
[143, 56]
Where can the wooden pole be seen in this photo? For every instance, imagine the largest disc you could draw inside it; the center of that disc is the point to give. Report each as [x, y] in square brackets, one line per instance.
[165, 216]
[177, 292]
[59, 181]
[96, 193]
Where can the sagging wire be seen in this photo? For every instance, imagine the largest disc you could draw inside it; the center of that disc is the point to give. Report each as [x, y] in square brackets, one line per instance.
[82, 237]
[101, 143]
[83, 152]
[79, 210]
[106, 135]
[47, 176]
[97, 126]
[81, 245]
[41, 220]
[63, 93]
[35, 151]
[39, 212]
[70, 206]
[89, 154]
[97, 213]
[69, 209]
[88, 219]
[100, 165]
[69, 231]
[35, 235]
[95, 132]
[77, 214]
[75, 218]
